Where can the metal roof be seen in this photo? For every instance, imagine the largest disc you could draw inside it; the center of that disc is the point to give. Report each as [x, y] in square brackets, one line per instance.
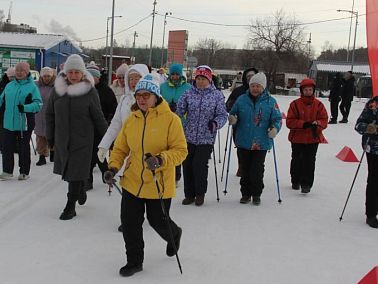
[33, 41]
[342, 67]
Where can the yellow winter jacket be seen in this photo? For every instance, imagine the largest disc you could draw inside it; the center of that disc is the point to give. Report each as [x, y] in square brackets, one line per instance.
[158, 132]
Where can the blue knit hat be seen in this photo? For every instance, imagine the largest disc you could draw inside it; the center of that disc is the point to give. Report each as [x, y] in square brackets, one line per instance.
[175, 68]
[150, 84]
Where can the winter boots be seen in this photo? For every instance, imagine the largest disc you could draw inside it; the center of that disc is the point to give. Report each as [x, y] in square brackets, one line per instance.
[305, 188]
[23, 177]
[170, 249]
[5, 176]
[256, 200]
[372, 222]
[82, 197]
[188, 201]
[41, 161]
[332, 121]
[130, 269]
[199, 200]
[344, 120]
[295, 186]
[245, 199]
[69, 211]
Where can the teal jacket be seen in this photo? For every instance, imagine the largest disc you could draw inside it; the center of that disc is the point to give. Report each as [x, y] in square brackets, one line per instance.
[171, 92]
[20, 92]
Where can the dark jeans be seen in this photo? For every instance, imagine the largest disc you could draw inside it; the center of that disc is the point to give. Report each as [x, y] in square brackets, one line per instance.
[251, 166]
[132, 217]
[335, 108]
[178, 172]
[195, 168]
[302, 167]
[371, 202]
[9, 148]
[345, 108]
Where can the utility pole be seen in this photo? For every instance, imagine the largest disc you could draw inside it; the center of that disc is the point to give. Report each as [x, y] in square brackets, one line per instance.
[132, 52]
[309, 46]
[162, 46]
[110, 71]
[355, 35]
[152, 33]
[350, 31]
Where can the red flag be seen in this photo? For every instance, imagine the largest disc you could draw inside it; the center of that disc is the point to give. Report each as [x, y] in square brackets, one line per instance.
[372, 41]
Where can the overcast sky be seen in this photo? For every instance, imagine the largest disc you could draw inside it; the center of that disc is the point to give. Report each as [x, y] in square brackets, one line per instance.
[86, 19]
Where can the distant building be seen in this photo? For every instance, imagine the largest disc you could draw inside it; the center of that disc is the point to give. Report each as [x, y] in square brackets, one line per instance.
[323, 72]
[15, 28]
[117, 60]
[38, 49]
[177, 47]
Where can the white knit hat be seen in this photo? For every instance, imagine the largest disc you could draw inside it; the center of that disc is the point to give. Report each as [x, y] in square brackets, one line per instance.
[11, 72]
[47, 71]
[74, 62]
[122, 69]
[259, 79]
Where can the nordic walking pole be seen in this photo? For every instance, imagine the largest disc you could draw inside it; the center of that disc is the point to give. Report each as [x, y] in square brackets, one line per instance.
[35, 152]
[225, 151]
[219, 146]
[166, 215]
[354, 179]
[275, 167]
[216, 174]
[228, 164]
[116, 186]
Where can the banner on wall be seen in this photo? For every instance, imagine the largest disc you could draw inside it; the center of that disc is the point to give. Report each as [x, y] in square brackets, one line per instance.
[10, 57]
[372, 41]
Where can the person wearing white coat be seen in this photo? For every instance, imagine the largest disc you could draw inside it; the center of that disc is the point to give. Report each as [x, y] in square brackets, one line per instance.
[123, 110]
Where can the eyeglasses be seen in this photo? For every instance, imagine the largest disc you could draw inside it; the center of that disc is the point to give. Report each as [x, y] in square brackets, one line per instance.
[121, 78]
[145, 96]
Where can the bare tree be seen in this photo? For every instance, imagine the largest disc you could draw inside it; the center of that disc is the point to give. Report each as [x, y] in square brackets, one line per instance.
[276, 35]
[206, 50]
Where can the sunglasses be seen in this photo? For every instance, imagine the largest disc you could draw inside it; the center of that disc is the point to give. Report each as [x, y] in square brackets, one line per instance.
[145, 96]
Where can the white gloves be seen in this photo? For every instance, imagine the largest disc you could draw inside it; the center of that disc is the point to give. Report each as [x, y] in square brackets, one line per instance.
[101, 154]
[272, 132]
[232, 119]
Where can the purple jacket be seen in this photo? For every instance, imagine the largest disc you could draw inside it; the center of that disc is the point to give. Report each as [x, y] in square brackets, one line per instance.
[40, 120]
[200, 107]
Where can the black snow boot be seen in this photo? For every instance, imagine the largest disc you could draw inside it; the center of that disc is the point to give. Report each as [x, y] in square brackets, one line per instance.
[130, 269]
[170, 249]
[41, 161]
[256, 200]
[82, 197]
[305, 188]
[372, 222]
[51, 156]
[69, 211]
[120, 228]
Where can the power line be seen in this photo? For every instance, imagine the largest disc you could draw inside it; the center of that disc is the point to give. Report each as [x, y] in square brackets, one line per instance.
[121, 31]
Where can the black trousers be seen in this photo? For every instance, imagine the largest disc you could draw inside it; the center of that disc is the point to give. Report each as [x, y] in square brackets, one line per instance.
[335, 108]
[132, 217]
[302, 167]
[371, 202]
[345, 108]
[74, 188]
[178, 172]
[251, 166]
[9, 148]
[195, 168]
[95, 161]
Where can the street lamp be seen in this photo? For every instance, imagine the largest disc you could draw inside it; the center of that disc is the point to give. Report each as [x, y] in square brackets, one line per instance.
[162, 46]
[355, 13]
[107, 35]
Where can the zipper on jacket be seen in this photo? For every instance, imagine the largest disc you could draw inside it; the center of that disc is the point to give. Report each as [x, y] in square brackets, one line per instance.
[199, 118]
[141, 174]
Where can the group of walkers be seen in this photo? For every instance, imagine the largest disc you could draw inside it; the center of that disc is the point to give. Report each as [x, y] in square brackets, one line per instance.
[144, 129]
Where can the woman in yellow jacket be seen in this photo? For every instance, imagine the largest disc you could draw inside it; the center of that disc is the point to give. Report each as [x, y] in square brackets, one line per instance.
[153, 140]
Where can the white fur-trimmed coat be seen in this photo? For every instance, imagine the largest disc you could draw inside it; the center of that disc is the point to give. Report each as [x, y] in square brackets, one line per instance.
[73, 117]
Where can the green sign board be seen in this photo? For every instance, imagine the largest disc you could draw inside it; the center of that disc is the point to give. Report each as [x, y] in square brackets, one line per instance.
[11, 56]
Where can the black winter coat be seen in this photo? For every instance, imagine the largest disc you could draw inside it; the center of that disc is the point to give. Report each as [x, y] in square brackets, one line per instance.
[349, 90]
[336, 89]
[108, 101]
[73, 115]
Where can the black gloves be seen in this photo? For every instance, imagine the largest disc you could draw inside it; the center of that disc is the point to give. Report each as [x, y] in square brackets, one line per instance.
[21, 108]
[109, 176]
[307, 124]
[173, 106]
[153, 162]
[212, 125]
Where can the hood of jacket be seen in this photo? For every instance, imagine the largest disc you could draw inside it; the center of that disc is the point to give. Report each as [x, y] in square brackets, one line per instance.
[62, 87]
[139, 68]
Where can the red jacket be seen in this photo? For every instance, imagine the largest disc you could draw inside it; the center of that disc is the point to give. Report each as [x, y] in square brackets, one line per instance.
[306, 109]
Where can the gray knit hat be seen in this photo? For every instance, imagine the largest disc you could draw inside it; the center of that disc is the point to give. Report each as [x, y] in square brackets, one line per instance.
[74, 62]
[259, 79]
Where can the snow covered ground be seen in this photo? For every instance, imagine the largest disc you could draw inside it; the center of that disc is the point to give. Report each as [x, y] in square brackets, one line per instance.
[298, 241]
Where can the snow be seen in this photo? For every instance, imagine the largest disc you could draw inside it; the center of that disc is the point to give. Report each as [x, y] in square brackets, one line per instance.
[298, 241]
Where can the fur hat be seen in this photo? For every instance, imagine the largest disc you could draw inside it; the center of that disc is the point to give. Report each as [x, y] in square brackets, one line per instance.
[122, 69]
[175, 68]
[94, 72]
[74, 62]
[47, 71]
[11, 72]
[259, 79]
[150, 84]
[205, 71]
